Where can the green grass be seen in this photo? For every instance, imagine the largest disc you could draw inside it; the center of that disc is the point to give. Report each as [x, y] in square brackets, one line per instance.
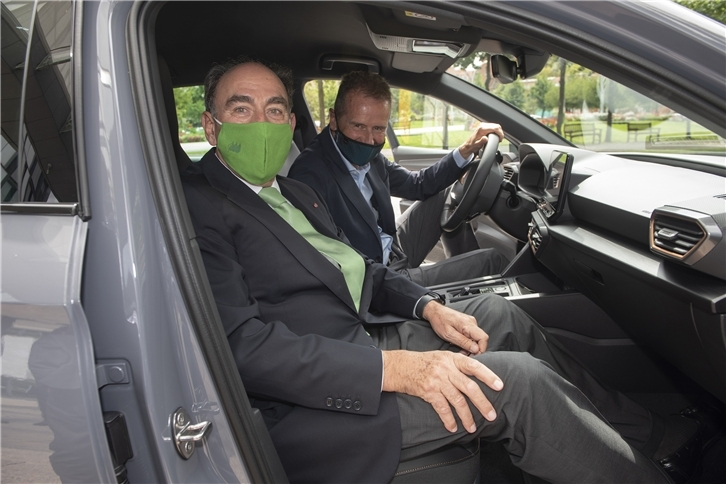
[667, 128]
[619, 135]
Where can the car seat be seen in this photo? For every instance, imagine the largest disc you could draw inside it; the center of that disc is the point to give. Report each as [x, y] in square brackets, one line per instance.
[182, 159]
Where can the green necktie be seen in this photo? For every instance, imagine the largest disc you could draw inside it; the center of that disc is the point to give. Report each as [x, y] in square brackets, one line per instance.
[349, 262]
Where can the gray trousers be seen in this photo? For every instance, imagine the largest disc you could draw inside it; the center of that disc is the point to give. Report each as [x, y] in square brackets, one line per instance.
[553, 416]
[418, 230]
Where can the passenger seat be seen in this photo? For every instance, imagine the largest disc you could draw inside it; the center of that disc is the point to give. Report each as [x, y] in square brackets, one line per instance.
[291, 156]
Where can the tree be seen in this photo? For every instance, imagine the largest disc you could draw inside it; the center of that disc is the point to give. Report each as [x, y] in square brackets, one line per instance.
[539, 95]
[481, 61]
[581, 87]
[716, 9]
[189, 106]
[311, 93]
[512, 93]
[561, 110]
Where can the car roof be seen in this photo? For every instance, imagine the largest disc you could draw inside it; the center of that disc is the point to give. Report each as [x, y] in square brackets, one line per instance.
[674, 54]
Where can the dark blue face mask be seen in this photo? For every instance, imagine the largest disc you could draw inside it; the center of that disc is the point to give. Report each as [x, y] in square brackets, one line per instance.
[354, 151]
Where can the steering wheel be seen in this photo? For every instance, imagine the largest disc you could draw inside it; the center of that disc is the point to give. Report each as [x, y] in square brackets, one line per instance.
[475, 188]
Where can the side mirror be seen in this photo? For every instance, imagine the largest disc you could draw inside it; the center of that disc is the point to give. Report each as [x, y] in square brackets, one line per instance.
[503, 69]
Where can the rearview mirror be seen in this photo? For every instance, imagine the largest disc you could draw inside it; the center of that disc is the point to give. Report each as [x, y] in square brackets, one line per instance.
[503, 69]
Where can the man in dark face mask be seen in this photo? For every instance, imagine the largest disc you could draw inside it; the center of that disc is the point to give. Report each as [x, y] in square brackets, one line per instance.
[344, 163]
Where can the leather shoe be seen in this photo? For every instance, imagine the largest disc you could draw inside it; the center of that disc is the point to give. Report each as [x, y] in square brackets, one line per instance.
[710, 418]
[684, 465]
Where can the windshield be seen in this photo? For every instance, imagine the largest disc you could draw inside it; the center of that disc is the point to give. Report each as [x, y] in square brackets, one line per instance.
[592, 111]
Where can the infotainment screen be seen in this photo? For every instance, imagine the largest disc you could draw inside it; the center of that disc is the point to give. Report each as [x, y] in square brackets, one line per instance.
[556, 183]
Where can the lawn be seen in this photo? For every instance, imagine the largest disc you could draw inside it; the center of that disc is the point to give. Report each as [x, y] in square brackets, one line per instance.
[663, 130]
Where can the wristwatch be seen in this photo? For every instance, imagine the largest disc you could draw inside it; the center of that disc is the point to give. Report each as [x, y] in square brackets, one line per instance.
[427, 298]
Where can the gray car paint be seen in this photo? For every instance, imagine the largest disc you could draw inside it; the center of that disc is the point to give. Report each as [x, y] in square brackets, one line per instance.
[129, 309]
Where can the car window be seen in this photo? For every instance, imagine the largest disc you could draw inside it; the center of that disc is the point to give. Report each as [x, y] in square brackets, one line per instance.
[189, 108]
[422, 121]
[38, 162]
[418, 120]
[593, 111]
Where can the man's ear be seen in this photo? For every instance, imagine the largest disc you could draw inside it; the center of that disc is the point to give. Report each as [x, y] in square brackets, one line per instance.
[333, 121]
[210, 128]
[292, 122]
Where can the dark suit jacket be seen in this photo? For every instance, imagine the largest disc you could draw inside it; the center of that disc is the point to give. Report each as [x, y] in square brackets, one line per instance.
[300, 346]
[321, 167]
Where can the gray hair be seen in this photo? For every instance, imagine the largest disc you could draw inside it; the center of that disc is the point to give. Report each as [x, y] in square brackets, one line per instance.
[219, 70]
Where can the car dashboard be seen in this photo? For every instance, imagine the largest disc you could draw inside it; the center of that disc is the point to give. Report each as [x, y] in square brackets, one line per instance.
[646, 243]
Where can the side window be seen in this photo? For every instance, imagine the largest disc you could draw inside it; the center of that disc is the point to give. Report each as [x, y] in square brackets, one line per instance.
[189, 108]
[593, 111]
[38, 163]
[320, 97]
[422, 121]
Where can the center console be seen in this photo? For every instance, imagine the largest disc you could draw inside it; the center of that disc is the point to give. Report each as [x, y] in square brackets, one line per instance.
[462, 290]
[522, 277]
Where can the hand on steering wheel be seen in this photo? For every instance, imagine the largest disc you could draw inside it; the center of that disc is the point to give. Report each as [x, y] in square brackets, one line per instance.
[475, 188]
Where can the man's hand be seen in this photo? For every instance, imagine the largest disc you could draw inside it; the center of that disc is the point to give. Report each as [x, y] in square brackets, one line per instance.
[441, 378]
[457, 328]
[478, 138]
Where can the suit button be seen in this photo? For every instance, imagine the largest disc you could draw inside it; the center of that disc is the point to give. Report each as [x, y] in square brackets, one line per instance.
[348, 403]
[338, 403]
[329, 402]
[379, 259]
[357, 405]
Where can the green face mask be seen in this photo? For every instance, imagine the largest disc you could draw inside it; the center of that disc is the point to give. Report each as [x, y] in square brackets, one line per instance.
[255, 151]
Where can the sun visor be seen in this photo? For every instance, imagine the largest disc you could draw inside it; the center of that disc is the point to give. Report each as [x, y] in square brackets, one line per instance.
[419, 63]
[420, 40]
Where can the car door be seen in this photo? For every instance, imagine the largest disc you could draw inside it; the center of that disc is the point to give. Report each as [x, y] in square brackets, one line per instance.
[103, 376]
[52, 424]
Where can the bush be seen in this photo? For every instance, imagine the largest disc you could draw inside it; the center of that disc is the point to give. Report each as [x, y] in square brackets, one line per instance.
[191, 137]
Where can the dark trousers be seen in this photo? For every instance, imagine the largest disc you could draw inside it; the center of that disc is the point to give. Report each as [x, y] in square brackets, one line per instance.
[556, 420]
[418, 230]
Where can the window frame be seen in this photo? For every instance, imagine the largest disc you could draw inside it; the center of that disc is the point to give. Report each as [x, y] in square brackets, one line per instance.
[81, 207]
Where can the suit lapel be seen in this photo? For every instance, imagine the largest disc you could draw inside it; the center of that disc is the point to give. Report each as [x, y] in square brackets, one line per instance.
[380, 193]
[309, 257]
[345, 182]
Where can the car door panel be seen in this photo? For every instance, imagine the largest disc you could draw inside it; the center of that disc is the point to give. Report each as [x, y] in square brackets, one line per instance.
[131, 292]
[49, 380]
[415, 158]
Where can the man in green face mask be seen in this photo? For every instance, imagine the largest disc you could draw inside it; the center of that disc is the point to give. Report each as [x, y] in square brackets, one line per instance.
[252, 131]
[352, 365]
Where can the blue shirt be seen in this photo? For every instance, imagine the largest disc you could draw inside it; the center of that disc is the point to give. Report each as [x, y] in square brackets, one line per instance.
[359, 177]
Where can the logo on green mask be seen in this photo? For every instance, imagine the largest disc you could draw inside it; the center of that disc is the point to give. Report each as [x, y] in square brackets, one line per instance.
[255, 151]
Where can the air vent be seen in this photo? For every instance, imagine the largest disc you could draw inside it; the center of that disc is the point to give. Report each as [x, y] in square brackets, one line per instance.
[535, 237]
[508, 173]
[674, 236]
